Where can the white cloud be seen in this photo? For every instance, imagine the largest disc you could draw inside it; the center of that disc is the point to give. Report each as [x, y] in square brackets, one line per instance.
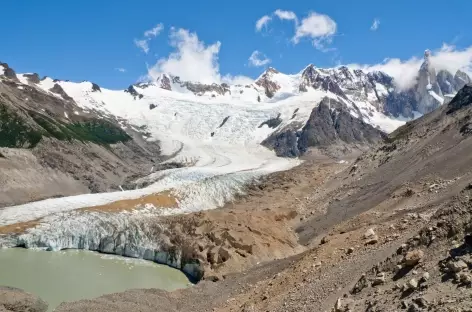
[375, 25]
[121, 70]
[317, 26]
[262, 22]
[404, 72]
[286, 15]
[153, 32]
[451, 59]
[281, 14]
[142, 44]
[191, 60]
[237, 80]
[258, 59]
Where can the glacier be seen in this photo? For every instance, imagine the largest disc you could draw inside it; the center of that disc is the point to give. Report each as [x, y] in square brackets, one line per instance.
[216, 139]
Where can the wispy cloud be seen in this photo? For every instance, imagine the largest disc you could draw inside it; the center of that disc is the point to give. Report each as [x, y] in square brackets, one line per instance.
[262, 22]
[258, 59]
[375, 24]
[143, 44]
[286, 15]
[153, 32]
[120, 69]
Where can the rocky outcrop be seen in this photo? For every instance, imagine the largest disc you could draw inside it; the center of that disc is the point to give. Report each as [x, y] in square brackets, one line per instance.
[8, 71]
[265, 81]
[32, 78]
[58, 90]
[461, 100]
[201, 89]
[96, 88]
[330, 124]
[272, 123]
[164, 82]
[446, 82]
[131, 90]
[427, 88]
[401, 103]
[17, 300]
[285, 141]
[461, 79]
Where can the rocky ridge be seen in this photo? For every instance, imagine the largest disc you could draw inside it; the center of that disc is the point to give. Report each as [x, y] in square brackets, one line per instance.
[52, 147]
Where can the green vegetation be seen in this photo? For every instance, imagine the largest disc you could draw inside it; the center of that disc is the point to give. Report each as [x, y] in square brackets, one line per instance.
[15, 131]
[98, 131]
[94, 130]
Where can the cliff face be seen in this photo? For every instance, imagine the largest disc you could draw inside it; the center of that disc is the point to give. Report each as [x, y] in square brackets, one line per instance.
[330, 124]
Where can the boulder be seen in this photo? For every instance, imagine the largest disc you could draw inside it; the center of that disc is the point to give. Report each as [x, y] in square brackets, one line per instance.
[412, 258]
[412, 284]
[457, 266]
[379, 279]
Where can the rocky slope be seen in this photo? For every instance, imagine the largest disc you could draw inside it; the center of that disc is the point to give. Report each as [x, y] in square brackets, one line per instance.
[330, 125]
[51, 147]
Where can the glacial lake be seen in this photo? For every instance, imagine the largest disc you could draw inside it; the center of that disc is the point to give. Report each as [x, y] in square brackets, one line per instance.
[76, 274]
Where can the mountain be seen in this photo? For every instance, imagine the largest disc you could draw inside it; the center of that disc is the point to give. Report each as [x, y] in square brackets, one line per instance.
[51, 147]
[95, 139]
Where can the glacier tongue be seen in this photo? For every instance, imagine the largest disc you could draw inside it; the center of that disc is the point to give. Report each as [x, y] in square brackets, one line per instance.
[135, 235]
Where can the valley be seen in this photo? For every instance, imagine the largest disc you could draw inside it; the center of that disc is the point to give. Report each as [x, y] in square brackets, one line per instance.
[278, 194]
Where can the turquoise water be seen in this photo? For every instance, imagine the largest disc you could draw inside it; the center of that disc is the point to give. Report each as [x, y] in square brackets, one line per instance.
[75, 274]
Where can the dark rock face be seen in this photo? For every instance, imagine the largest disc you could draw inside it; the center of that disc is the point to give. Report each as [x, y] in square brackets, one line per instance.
[58, 90]
[461, 79]
[330, 123]
[165, 82]
[380, 77]
[284, 143]
[265, 81]
[329, 84]
[131, 90]
[461, 100]
[152, 106]
[17, 300]
[33, 78]
[96, 88]
[400, 103]
[9, 72]
[327, 126]
[446, 82]
[200, 89]
[272, 123]
[427, 82]
[224, 121]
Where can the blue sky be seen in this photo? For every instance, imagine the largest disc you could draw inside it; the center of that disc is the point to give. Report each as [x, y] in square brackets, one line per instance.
[90, 40]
